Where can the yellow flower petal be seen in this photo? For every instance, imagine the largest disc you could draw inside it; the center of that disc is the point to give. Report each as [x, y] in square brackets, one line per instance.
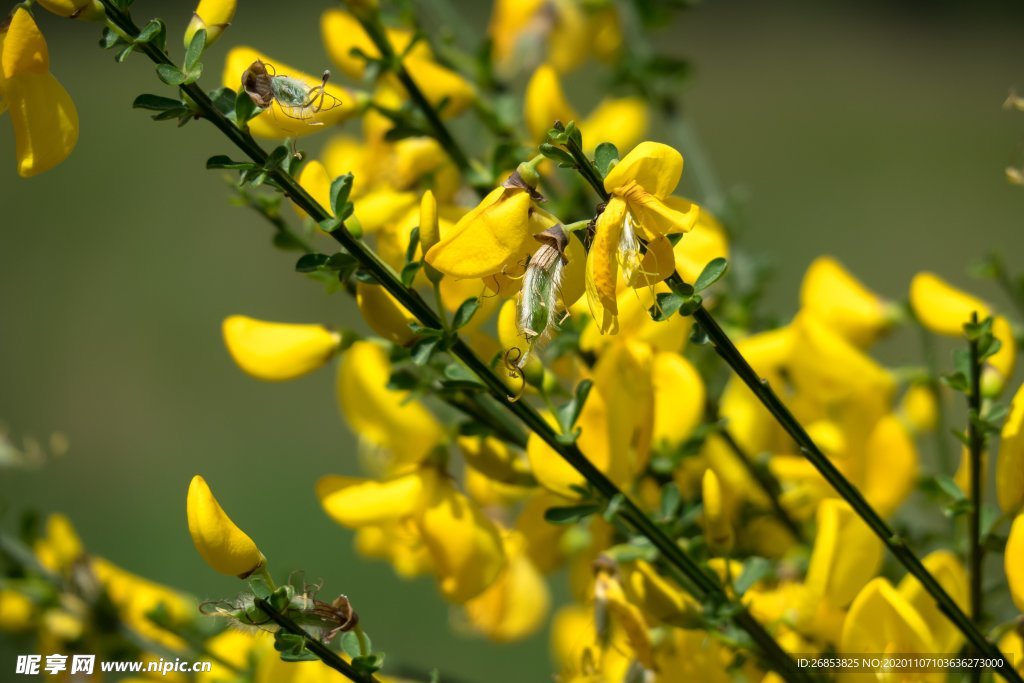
[892, 466]
[440, 85]
[942, 308]
[999, 367]
[494, 459]
[1014, 562]
[834, 296]
[509, 19]
[846, 555]
[225, 547]
[718, 527]
[881, 620]
[545, 103]
[73, 9]
[314, 179]
[493, 236]
[620, 121]
[276, 123]
[355, 502]
[603, 266]
[658, 597]
[278, 351]
[678, 398]
[653, 166]
[656, 217]
[214, 16]
[342, 33]
[657, 264]
[384, 314]
[919, 409]
[381, 416]
[463, 543]
[705, 242]
[951, 575]
[60, 547]
[25, 50]
[45, 122]
[17, 612]
[1010, 466]
[515, 605]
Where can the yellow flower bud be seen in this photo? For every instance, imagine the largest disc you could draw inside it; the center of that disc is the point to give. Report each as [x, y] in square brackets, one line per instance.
[1010, 467]
[1014, 562]
[278, 351]
[384, 314]
[225, 547]
[213, 15]
[74, 9]
[429, 227]
[942, 308]
[717, 525]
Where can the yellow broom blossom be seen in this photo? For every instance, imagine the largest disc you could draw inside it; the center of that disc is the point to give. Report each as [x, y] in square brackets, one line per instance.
[639, 186]
[214, 16]
[225, 547]
[837, 298]
[1014, 562]
[278, 351]
[1010, 466]
[44, 117]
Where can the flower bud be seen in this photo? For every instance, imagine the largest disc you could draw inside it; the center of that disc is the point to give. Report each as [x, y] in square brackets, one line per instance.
[212, 15]
[278, 351]
[223, 546]
[74, 9]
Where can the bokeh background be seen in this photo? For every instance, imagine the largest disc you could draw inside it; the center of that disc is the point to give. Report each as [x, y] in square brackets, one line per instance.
[872, 131]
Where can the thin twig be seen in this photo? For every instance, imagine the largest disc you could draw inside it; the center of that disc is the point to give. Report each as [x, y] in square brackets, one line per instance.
[976, 446]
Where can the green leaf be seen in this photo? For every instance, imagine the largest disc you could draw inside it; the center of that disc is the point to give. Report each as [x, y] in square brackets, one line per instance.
[349, 643]
[467, 309]
[423, 349]
[341, 187]
[245, 109]
[409, 271]
[109, 39]
[414, 243]
[292, 647]
[614, 507]
[948, 486]
[277, 157]
[666, 305]
[570, 514]
[370, 664]
[570, 412]
[171, 75]
[195, 49]
[222, 161]
[154, 32]
[224, 99]
[605, 157]
[558, 155]
[308, 263]
[156, 103]
[690, 305]
[712, 272]
[123, 54]
[754, 570]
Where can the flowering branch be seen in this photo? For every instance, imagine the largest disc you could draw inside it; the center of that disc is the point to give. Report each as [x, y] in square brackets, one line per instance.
[705, 586]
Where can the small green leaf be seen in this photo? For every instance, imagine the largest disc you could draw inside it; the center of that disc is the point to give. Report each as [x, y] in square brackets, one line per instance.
[171, 75]
[154, 32]
[614, 507]
[666, 305]
[123, 54]
[409, 270]
[156, 103]
[714, 270]
[558, 155]
[605, 157]
[570, 412]
[691, 304]
[570, 514]
[308, 263]
[370, 664]
[195, 49]
[222, 161]
[948, 486]
[754, 570]
[465, 312]
[423, 349]
[341, 187]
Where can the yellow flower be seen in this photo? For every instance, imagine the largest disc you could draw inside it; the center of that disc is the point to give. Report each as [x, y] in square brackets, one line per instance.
[881, 621]
[891, 465]
[59, 548]
[380, 416]
[951, 575]
[1014, 562]
[918, 408]
[620, 121]
[705, 242]
[44, 117]
[639, 186]
[278, 351]
[830, 293]
[1010, 466]
[463, 543]
[225, 547]
[277, 123]
[659, 599]
[515, 605]
[17, 611]
[678, 398]
[384, 314]
[356, 502]
[214, 16]
[846, 555]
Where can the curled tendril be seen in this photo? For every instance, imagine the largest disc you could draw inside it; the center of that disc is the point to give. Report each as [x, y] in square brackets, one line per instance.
[511, 360]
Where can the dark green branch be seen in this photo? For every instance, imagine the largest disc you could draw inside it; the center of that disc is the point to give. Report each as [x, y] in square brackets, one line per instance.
[975, 453]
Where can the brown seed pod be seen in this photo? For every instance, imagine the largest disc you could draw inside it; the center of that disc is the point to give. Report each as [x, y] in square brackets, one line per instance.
[256, 84]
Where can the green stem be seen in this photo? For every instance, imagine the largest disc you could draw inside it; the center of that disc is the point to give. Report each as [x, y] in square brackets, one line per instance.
[324, 653]
[370, 21]
[708, 588]
[896, 545]
[976, 446]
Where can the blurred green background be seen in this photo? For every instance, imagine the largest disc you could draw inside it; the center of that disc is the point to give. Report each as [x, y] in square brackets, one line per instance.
[869, 130]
